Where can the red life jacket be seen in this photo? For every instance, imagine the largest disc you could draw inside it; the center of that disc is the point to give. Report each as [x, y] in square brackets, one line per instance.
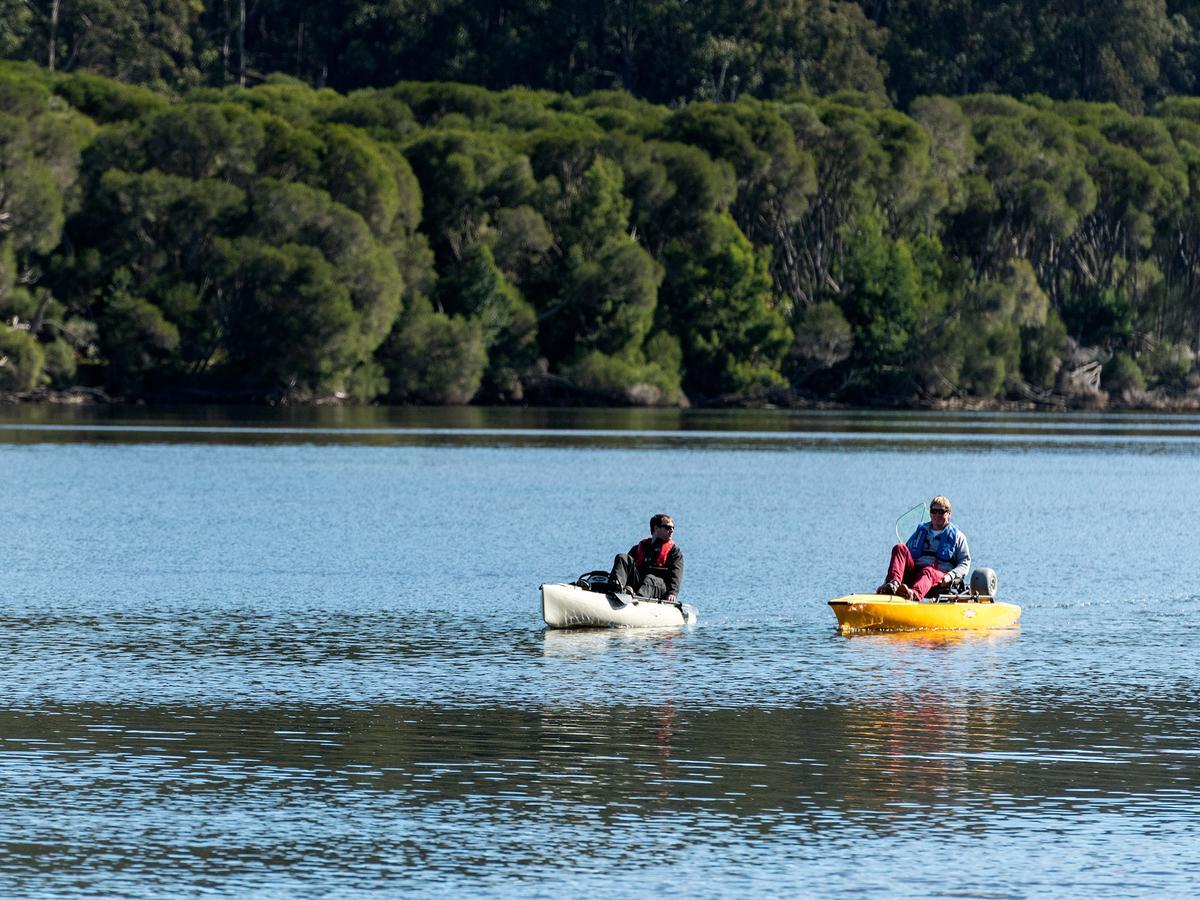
[643, 550]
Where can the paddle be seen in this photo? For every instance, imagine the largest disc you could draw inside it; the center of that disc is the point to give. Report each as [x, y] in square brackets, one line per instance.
[619, 600]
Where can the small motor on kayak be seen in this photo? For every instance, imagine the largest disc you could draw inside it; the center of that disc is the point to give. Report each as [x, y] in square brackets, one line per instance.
[983, 582]
[594, 581]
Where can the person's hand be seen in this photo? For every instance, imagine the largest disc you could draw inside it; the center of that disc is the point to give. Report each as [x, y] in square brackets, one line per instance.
[946, 578]
[671, 598]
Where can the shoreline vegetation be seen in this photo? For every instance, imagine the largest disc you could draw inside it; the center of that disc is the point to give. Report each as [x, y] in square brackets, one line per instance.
[437, 242]
[79, 395]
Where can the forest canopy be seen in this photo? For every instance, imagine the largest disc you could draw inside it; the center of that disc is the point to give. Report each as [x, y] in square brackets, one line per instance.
[1129, 52]
[721, 203]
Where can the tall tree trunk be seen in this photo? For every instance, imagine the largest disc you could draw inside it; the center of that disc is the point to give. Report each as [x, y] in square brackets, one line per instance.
[39, 317]
[225, 44]
[627, 37]
[241, 38]
[53, 33]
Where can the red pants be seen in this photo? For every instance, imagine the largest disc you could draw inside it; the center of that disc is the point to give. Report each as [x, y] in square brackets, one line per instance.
[903, 569]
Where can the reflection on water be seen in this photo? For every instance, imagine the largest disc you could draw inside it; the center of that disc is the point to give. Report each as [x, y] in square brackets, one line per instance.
[243, 656]
[294, 797]
[599, 428]
[584, 642]
[933, 638]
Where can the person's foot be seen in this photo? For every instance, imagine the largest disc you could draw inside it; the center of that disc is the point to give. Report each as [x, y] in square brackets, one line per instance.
[888, 587]
[906, 592]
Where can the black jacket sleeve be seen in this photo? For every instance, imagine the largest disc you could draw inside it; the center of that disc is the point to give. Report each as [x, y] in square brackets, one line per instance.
[674, 577]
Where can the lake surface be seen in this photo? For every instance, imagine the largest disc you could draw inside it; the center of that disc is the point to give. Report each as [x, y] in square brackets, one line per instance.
[300, 653]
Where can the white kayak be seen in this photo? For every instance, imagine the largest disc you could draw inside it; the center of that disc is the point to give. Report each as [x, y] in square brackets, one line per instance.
[570, 606]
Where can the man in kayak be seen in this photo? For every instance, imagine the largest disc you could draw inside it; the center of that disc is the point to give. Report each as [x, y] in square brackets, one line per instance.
[935, 554]
[653, 567]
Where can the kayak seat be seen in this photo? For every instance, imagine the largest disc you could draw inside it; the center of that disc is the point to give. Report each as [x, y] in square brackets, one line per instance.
[954, 586]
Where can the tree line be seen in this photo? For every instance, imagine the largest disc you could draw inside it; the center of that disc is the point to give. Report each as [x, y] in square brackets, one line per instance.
[441, 242]
[1131, 52]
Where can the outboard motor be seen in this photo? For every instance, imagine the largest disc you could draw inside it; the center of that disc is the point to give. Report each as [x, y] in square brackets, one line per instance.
[983, 582]
[594, 581]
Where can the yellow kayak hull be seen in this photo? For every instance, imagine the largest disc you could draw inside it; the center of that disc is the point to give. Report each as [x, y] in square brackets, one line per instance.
[880, 612]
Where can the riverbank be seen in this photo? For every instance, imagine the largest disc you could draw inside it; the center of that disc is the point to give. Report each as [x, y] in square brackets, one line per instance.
[1143, 401]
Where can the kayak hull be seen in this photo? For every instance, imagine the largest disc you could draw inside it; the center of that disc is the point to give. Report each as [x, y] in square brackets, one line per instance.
[569, 606]
[880, 612]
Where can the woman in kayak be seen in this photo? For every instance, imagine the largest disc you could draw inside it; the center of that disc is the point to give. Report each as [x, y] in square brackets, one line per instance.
[935, 554]
[653, 567]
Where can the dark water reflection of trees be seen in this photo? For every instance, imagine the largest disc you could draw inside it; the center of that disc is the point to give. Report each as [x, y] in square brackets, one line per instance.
[913, 759]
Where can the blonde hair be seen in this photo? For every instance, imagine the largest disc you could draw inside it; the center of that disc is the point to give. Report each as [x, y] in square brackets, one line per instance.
[939, 500]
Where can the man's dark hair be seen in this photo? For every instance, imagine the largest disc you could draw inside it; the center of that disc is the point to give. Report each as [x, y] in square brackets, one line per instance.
[658, 519]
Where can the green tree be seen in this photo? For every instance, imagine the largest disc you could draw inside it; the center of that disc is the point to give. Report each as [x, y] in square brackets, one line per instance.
[463, 178]
[776, 176]
[978, 347]
[1122, 375]
[138, 339]
[21, 359]
[600, 210]
[959, 47]
[289, 213]
[232, 222]
[16, 16]
[1111, 50]
[478, 290]
[1141, 181]
[155, 231]
[633, 376]
[823, 339]
[105, 101]
[606, 302]
[1177, 250]
[145, 42]
[431, 357]
[837, 49]
[1027, 192]
[889, 295]
[868, 161]
[717, 297]
[381, 113]
[286, 321]
[1043, 349]
[520, 241]
[673, 187]
[40, 148]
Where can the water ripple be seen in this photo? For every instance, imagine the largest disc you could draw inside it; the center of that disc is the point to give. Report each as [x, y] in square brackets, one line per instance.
[236, 666]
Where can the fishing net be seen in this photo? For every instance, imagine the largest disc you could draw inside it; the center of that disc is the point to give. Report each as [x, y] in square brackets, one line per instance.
[908, 522]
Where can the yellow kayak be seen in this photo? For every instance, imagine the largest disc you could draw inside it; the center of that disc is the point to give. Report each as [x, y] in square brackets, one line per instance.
[881, 612]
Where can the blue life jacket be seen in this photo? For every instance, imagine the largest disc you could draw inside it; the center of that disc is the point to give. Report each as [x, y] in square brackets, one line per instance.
[945, 544]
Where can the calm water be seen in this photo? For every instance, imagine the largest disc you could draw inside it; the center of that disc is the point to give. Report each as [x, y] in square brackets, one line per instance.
[300, 653]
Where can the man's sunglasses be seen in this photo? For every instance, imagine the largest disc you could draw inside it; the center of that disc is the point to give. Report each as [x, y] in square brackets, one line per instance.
[937, 511]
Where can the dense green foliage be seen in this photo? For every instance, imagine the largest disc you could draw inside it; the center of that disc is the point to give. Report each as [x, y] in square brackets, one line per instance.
[440, 242]
[1131, 52]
